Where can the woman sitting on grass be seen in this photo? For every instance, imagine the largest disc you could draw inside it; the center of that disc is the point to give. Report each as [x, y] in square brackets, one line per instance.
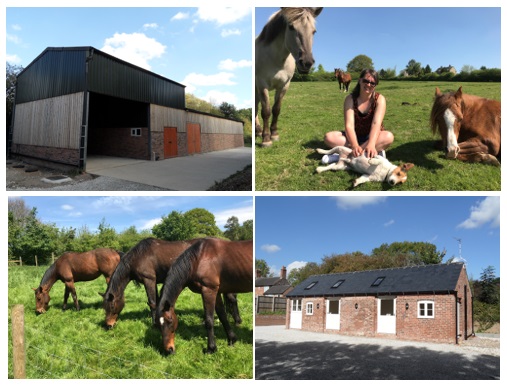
[364, 111]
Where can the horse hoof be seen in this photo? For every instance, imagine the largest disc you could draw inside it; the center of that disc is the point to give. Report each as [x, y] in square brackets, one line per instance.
[275, 138]
[209, 350]
[266, 144]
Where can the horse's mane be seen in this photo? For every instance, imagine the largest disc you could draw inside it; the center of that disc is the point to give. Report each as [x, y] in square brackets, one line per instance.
[279, 20]
[123, 268]
[49, 274]
[179, 273]
[441, 104]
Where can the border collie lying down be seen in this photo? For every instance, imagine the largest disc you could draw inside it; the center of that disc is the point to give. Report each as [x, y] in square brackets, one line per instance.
[377, 169]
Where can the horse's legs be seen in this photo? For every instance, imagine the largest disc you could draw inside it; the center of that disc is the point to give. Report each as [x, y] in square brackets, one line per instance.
[69, 288]
[266, 114]
[231, 305]
[220, 309]
[474, 150]
[277, 107]
[258, 128]
[150, 286]
[209, 298]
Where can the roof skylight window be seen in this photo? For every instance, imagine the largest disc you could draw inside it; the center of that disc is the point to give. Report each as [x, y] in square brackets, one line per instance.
[337, 284]
[377, 281]
[311, 285]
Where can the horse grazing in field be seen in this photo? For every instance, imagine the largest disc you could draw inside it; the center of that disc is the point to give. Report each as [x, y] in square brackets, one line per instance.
[285, 43]
[343, 78]
[469, 126]
[146, 263]
[209, 267]
[72, 267]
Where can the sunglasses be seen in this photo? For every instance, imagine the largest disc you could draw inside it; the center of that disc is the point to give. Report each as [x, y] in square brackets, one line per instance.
[373, 84]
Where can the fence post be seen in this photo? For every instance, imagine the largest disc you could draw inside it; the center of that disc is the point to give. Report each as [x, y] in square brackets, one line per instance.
[18, 341]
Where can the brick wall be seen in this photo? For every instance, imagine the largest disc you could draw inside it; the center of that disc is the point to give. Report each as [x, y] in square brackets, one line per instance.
[41, 154]
[119, 142]
[358, 316]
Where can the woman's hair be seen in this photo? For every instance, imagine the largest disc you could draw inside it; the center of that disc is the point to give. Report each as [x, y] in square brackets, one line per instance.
[367, 71]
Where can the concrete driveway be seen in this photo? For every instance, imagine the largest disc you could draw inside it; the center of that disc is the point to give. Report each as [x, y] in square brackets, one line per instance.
[196, 172]
[295, 354]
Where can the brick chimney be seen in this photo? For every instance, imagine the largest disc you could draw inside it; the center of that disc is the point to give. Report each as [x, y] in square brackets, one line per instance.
[283, 273]
[258, 273]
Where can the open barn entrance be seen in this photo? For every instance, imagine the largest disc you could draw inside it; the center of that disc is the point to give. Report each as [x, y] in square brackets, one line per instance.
[118, 127]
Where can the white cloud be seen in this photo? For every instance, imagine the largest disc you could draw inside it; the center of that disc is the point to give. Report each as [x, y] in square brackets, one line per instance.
[356, 202]
[149, 224]
[67, 207]
[220, 79]
[16, 27]
[135, 48]
[243, 214]
[270, 248]
[216, 98]
[222, 16]
[389, 223]
[230, 32]
[13, 39]
[486, 211]
[231, 65]
[150, 25]
[180, 16]
[12, 59]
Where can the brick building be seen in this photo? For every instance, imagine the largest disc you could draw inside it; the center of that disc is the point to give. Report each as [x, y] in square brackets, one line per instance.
[423, 303]
[272, 286]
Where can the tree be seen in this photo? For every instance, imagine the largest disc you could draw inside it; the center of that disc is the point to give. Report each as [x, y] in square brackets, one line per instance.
[262, 268]
[107, 236]
[297, 275]
[247, 230]
[228, 110]
[488, 284]
[359, 63]
[202, 222]
[233, 229]
[414, 253]
[413, 68]
[11, 72]
[467, 69]
[173, 227]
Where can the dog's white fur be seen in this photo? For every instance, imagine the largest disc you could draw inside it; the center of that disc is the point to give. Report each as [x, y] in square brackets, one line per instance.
[375, 169]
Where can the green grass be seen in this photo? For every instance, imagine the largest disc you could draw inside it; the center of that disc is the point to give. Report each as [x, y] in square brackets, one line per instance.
[74, 344]
[311, 109]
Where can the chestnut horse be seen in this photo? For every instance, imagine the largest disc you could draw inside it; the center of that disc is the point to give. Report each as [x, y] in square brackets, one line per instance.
[469, 126]
[146, 263]
[285, 43]
[209, 267]
[343, 78]
[72, 267]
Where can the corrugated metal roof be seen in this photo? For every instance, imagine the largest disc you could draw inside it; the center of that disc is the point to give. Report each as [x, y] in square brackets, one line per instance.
[66, 70]
[436, 278]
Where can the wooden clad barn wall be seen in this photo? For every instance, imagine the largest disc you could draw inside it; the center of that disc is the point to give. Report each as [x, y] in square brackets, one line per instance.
[53, 122]
[215, 125]
[161, 117]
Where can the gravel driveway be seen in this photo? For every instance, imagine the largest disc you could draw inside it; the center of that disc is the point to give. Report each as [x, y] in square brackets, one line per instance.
[296, 354]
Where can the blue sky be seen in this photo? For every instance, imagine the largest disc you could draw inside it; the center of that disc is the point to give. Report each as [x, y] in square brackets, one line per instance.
[208, 49]
[392, 36]
[291, 231]
[121, 212]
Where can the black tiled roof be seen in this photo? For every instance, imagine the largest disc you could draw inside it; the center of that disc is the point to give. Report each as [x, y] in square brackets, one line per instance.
[436, 278]
[277, 289]
[270, 281]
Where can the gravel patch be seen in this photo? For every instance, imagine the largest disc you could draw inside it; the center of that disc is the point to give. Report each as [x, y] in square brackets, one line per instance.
[296, 354]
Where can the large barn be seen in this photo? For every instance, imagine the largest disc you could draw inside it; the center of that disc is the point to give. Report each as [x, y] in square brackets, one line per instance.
[422, 303]
[76, 102]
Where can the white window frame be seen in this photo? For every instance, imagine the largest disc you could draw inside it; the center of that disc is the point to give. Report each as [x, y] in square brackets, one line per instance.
[296, 305]
[309, 308]
[135, 132]
[425, 310]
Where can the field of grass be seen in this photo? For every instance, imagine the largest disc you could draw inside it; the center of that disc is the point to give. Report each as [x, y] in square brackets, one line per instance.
[311, 109]
[74, 344]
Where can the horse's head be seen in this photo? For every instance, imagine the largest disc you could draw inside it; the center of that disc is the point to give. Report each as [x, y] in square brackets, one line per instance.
[447, 115]
[113, 305]
[299, 35]
[167, 321]
[42, 299]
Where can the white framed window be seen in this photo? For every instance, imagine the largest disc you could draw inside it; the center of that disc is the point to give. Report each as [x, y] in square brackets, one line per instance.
[426, 309]
[296, 305]
[309, 308]
[135, 132]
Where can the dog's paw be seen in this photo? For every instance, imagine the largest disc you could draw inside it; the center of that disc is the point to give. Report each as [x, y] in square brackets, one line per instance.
[374, 161]
[320, 169]
[320, 151]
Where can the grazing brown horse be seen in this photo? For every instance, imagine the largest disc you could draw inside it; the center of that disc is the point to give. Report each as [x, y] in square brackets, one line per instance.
[146, 263]
[343, 78]
[209, 267]
[469, 126]
[72, 267]
[285, 42]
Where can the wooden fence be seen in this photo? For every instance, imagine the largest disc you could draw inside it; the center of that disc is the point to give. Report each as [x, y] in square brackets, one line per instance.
[270, 304]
